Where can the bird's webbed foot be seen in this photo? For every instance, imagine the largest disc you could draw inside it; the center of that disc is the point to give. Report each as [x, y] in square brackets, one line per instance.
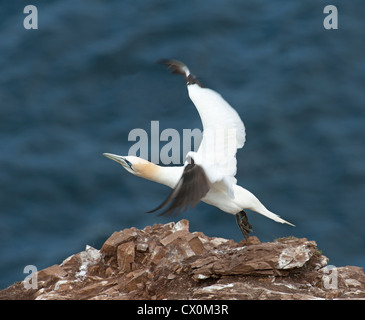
[244, 225]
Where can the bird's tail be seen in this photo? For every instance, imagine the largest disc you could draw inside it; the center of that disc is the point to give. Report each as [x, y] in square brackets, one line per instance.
[247, 200]
[273, 216]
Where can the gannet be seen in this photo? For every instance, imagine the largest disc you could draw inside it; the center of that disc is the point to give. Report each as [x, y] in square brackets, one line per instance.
[208, 174]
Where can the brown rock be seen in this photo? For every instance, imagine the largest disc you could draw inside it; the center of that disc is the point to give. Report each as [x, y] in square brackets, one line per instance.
[181, 225]
[111, 244]
[196, 245]
[125, 256]
[169, 262]
[54, 271]
[157, 255]
[138, 277]
[142, 247]
[173, 236]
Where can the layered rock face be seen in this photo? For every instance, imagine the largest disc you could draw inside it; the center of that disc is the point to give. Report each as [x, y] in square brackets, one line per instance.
[169, 262]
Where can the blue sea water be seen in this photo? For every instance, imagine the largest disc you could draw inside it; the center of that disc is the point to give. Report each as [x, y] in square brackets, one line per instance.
[75, 87]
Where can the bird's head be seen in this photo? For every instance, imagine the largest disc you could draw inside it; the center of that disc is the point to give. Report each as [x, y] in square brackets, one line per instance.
[135, 165]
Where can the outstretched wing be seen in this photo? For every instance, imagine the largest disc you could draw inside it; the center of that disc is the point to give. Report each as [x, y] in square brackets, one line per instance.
[223, 129]
[191, 188]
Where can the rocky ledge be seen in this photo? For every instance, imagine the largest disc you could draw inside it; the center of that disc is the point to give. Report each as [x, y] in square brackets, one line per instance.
[169, 262]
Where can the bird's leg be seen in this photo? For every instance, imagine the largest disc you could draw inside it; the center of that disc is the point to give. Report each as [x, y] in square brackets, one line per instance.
[243, 223]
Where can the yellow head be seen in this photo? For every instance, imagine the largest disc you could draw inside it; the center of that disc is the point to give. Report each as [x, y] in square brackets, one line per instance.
[135, 165]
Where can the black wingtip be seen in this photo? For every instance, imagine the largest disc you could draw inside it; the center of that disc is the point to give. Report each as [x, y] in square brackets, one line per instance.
[163, 61]
[170, 62]
[179, 67]
[175, 66]
[154, 210]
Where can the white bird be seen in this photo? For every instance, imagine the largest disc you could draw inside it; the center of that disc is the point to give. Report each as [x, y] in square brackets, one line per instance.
[207, 175]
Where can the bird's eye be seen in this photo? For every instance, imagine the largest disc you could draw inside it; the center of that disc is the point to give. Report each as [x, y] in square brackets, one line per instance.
[128, 163]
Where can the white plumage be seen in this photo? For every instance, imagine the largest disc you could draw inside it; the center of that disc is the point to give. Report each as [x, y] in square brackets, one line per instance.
[208, 174]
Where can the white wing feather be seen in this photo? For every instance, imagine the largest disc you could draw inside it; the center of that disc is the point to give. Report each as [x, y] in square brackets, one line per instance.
[223, 130]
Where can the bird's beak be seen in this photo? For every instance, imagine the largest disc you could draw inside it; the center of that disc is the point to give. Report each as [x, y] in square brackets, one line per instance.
[121, 160]
[116, 158]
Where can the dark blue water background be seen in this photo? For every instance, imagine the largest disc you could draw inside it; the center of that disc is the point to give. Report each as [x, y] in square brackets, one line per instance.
[78, 85]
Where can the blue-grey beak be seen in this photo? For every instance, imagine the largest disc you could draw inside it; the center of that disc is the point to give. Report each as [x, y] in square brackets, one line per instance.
[119, 159]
